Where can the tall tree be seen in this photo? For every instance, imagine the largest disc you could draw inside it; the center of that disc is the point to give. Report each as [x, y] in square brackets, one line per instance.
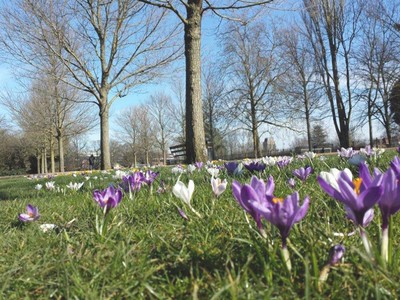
[379, 68]
[300, 87]
[214, 108]
[163, 121]
[107, 46]
[252, 69]
[332, 27]
[190, 13]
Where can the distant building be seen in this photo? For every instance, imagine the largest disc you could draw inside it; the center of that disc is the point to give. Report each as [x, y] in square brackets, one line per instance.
[269, 146]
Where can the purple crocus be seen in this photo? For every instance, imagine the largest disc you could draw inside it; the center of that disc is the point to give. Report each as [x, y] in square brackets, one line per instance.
[283, 161]
[32, 214]
[336, 254]
[389, 204]
[303, 173]
[149, 177]
[198, 164]
[256, 191]
[133, 182]
[346, 153]
[283, 213]
[395, 165]
[358, 195]
[183, 214]
[291, 183]
[255, 166]
[231, 167]
[108, 198]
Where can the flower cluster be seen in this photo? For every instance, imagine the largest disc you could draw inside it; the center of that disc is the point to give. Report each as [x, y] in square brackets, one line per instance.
[360, 195]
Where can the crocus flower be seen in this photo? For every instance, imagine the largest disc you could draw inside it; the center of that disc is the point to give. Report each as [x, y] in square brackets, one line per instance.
[32, 214]
[346, 153]
[309, 154]
[38, 187]
[183, 214]
[213, 171]
[283, 161]
[184, 193]
[269, 160]
[108, 198]
[358, 195]
[389, 204]
[149, 177]
[218, 186]
[74, 186]
[291, 182]
[336, 254]
[303, 173]
[198, 164]
[367, 151]
[191, 168]
[132, 182]
[283, 213]
[255, 166]
[231, 167]
[257, 190]
[395, 165]
[47, 227]
[50, 185]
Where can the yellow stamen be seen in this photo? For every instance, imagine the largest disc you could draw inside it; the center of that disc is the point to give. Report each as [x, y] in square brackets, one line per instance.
[276, 200]
[357, 184]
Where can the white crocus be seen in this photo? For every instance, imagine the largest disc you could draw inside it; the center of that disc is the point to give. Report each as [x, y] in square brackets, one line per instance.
[332, 177]
[38, 187]
[75, 186]
[47, 227]
[213, 172]
[50, 185]
[191, 168]
[218, 186]
[185, 193]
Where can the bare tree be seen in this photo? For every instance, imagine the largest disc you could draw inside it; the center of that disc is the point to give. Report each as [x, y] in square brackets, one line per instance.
[332, 28]
[163, 121]
[379, 68]
[128, 122]
[300, 87]
[190, 13]
[146, 131]
[108, 47]
[214, 107]
[252, 69]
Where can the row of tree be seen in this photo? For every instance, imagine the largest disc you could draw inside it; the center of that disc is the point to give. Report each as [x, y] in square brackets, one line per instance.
[329, 59]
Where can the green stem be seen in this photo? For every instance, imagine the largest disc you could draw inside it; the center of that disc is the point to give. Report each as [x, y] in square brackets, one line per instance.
[365, 241]
[286, 258]
[385, 244]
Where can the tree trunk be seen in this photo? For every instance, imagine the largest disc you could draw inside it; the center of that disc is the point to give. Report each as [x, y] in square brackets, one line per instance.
[105, 160]
[195, 138]
[371, 138]
[307, 115]
[38, 162]
[60, 141]
[52, 156]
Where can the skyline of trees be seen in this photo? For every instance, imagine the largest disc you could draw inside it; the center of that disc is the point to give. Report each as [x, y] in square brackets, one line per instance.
[331, 62]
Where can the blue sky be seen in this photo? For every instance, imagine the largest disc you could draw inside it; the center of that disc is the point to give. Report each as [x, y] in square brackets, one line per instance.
[210, 47]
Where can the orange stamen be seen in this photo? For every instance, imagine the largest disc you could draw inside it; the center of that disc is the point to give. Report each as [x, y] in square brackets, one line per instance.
[357, 184]
[276, 200]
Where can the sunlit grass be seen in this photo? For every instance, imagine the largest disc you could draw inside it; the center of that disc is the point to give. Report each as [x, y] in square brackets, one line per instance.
[150, 252]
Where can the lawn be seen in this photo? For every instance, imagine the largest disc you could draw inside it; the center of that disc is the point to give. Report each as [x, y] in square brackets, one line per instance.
[147, 250]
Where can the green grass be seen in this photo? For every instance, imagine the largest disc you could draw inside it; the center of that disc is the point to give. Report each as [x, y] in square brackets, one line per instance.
[150, 252]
